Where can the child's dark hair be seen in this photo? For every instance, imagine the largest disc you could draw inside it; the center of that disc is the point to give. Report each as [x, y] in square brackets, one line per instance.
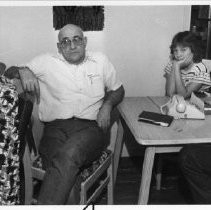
[188, 39]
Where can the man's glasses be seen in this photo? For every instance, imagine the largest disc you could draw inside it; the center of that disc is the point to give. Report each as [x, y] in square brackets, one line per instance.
[77, 41]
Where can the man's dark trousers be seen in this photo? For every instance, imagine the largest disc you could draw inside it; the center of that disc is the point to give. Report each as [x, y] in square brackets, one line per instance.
[195, 162]
[66, 146]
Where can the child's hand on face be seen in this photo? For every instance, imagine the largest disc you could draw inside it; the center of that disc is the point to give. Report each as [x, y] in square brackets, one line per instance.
[184, 62]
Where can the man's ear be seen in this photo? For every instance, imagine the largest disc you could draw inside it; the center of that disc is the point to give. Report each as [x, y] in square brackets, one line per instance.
[59, 47]
[85, 41]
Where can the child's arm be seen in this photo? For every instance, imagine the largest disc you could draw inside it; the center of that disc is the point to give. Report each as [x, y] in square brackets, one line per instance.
[170, 84]
[180, 86]
[170, 80]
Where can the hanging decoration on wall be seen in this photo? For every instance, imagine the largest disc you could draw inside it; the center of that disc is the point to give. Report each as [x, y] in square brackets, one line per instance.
[89, 18]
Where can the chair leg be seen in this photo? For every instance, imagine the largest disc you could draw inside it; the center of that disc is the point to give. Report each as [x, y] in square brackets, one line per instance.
[110, 187]
[158, 175]
[118, 149]
[28, 176]
[83, 196]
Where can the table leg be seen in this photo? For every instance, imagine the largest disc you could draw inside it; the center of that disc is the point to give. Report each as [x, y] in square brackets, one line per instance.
[146, 175]
[159, 172]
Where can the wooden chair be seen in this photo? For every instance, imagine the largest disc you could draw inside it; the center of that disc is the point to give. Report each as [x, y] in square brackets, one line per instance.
[25, 108]
[100, 175]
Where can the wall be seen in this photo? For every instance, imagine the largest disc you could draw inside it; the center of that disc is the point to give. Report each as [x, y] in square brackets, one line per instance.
[137, 41]
[135, 38]
[25, 32]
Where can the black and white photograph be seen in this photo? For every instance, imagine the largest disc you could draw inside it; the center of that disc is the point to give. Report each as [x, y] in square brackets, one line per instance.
[105, 104]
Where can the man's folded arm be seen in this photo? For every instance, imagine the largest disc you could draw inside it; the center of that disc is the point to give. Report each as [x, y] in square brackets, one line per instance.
[28, 79]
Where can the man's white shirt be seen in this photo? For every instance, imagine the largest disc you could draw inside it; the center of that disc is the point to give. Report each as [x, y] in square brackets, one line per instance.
[68, 90]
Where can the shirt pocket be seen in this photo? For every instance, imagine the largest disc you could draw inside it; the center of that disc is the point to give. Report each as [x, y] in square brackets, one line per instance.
[96, 85]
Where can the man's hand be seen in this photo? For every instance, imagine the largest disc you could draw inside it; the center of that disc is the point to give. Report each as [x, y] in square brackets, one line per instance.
[103, 117]
[30, 82]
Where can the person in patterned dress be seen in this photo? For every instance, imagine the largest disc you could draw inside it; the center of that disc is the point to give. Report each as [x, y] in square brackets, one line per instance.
[9, 142]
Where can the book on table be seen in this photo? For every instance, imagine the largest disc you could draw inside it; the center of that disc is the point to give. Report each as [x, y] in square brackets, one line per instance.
[155, 118]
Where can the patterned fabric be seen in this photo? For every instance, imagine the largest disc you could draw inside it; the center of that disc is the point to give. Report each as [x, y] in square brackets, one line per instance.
[198, 73]
[9, 144]
[86, 172]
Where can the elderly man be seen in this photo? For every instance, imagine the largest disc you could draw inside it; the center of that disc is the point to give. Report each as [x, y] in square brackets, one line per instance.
[76, 91]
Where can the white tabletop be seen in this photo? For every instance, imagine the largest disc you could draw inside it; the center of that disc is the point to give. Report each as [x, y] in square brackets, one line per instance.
[183, 131]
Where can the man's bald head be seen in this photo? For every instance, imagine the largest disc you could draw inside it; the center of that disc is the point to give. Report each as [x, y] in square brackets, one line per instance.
[69, 29]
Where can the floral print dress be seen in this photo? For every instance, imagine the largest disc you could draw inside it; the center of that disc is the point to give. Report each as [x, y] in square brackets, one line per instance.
[9, 144]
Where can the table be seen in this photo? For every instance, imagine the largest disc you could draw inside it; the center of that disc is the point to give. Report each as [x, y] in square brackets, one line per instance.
[158, 139]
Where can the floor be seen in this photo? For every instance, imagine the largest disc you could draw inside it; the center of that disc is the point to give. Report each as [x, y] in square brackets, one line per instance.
[174, 189]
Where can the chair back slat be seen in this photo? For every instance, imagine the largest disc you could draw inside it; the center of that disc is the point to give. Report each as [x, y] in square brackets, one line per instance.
[24, 111]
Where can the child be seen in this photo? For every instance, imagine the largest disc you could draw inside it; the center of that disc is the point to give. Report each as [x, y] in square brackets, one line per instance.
[185, 73]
